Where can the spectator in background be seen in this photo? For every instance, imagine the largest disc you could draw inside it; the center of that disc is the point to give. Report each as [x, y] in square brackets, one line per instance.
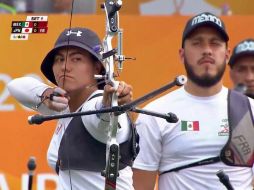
[6, 6]
[64, 6]
[225, 10]
[47, 6]
[129, 7]
[242, 67]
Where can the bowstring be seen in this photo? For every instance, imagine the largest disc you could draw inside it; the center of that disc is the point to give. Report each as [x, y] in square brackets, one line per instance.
[66, 57]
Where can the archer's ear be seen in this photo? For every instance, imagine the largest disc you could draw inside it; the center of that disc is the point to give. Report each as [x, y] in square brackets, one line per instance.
[98, 67]
[181, 54]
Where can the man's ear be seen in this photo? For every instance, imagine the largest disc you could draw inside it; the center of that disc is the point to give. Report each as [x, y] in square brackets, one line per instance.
[181, 54]
[228, 52]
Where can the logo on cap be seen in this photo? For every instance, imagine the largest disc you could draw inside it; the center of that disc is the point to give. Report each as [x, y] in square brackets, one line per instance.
[206, 17]
[69, 32]
[245, 46]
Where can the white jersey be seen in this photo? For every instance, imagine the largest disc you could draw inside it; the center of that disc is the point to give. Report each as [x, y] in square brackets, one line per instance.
[27, 89]
[201, 133]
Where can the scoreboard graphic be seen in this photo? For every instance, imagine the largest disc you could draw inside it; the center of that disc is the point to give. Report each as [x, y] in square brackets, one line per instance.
[20, 30]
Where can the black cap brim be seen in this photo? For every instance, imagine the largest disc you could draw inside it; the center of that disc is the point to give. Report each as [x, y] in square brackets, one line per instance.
[234, 57]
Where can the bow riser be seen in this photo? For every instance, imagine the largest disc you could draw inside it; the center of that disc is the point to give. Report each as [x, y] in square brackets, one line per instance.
[112, 152]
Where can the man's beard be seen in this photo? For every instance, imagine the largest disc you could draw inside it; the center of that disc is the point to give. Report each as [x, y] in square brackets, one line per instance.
[205, 80]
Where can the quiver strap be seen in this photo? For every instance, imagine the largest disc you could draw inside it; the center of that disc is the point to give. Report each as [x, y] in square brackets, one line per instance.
[239, 150]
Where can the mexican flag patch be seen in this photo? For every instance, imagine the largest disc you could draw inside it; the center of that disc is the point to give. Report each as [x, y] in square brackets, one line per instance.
[190, 125]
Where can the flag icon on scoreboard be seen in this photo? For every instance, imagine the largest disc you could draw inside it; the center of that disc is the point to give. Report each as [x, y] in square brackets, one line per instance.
[26, 24]
[27, 30]
[190, 125]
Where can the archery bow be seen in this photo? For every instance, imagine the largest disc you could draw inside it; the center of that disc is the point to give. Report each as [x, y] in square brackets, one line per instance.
[111, 9]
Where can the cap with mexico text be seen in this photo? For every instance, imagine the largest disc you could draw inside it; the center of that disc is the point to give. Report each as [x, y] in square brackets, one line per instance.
[204, 19]
[243, 48]
[76, 37]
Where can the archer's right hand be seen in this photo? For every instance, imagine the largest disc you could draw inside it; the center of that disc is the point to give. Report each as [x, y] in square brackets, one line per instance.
[55, 99]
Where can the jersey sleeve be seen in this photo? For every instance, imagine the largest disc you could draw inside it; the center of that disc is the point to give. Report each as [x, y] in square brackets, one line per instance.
[27, 91]
[150, 143]
[98, 124]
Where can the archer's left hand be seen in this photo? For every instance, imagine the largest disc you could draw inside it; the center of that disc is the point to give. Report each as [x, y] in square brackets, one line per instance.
[123, 92]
